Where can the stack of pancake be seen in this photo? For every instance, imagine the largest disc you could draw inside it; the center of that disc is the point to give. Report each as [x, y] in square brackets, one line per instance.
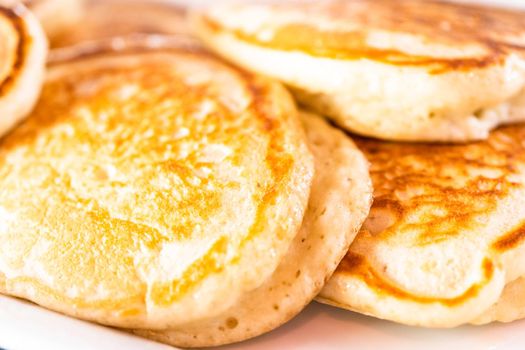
[200, 187]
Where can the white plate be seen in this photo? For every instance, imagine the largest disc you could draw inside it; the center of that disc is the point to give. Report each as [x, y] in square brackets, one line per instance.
[24, 326]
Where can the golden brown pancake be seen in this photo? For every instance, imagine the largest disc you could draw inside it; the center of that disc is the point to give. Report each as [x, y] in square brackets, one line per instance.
[399, 70]
[150, 187]
[338, 205]
[445, 233]
[23, 49]
[104, 19]
[56, 16]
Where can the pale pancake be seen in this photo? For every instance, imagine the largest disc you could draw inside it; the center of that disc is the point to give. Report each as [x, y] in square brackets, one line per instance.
[56, 16]
[397, 70]
[23, 50]
[510, 307]
[444, 235]
[339, 203]
[103, 19]
[150, 188]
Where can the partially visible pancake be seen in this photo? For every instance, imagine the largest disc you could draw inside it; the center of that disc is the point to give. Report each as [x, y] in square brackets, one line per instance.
[23, 49]
[150, 187]
[396, 70]
[339, 203]
[445, 233]
[57, 16]
[510, 306]
[104, 19]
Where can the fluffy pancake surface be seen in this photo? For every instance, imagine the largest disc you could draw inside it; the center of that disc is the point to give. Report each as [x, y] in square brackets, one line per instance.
[23, 49]
[444, 235]
[150, 189]
[339, 202]
[390, 69]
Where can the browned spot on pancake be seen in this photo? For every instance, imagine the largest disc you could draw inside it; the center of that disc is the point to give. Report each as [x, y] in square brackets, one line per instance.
[232, 322]
[15, 16]
[437, 22]
[130, 312]
[357, 266]
[436, 191]
[511, 239]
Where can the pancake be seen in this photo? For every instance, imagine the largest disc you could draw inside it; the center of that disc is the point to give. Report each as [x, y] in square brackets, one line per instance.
[56, 16]
[150, 187]
[510, 307]
[23, 49]
[104, 19]
[339, 203]
[396, 70]
[444, 235]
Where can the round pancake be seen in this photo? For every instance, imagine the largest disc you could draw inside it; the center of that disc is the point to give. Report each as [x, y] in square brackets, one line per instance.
[339, 203]
[103, 19]
[510, 306]
[57, 16]
[444, 235]
[23, 49]
[150, 188]
[396, 70]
